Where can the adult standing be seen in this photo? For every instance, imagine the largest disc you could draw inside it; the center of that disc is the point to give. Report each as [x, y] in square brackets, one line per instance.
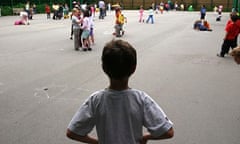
[27, 8]
[76, 27]
[55, 7]
[101, 5]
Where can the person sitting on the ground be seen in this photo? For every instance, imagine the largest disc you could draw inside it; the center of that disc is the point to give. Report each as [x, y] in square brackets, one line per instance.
[235, 53]
[207, 25]
[198, 25]
[23, 20]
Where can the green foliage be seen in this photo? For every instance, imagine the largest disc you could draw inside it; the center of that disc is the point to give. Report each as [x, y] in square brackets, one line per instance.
[41, 8]
[6, 10]
[20, 5]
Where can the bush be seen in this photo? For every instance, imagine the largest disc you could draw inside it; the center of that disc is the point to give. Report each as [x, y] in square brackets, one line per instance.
[40, 8]
[6, 10]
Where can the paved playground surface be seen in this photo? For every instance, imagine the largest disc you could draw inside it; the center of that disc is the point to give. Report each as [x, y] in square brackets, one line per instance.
[43, 80]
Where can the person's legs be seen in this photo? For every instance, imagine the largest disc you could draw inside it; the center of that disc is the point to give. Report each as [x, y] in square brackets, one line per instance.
[91, 36]
[76, 38]
[152, 19]
[101, 13]
[148, 19]
[48, 15]
[84, 38]
[121, 29]
[89, 43]
[117, 30]
[80, 35]
[234, 43]
[225, 48]
[71, 35]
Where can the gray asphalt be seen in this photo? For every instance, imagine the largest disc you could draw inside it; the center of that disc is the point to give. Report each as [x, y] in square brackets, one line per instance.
[43, 80]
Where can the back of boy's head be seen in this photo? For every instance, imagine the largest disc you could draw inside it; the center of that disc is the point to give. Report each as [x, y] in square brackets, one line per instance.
[119, 59]
[234, 17]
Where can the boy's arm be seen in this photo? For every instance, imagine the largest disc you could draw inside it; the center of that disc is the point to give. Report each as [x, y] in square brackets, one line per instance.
[225, 36]
[148, 136]
[84, 139]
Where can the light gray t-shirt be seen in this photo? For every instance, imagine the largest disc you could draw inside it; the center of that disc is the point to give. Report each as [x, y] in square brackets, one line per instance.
[119, 116]
[75, 22]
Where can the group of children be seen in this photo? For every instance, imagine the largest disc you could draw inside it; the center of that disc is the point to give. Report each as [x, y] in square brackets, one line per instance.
[82, 28]
[150, 15]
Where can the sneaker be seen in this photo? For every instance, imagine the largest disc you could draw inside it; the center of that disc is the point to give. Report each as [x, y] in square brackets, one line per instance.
[84, 49]
[219, 55]
[89, 49]
[71, 38]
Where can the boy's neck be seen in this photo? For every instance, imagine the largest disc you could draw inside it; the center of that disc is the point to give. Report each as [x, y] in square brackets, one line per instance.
[119, 84]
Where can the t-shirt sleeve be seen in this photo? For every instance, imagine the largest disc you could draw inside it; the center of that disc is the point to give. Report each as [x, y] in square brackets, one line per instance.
[83, 121]
[155, 120]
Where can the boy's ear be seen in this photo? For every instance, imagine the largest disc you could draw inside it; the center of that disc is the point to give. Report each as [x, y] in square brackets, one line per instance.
[133, 69]
[104, 68]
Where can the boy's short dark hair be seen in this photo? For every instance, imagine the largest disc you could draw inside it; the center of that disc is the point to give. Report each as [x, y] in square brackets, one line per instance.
[119, 59]
[234, 18]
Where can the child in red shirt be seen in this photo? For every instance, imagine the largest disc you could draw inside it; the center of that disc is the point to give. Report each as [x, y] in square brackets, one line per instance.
[48, 11]
[232, 31]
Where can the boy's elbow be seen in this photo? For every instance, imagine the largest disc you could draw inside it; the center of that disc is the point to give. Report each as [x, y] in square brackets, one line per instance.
[170, 133]
[69, 134]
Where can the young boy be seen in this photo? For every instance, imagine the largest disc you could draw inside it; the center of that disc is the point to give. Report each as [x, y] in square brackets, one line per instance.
[48, 11]
[236, 54]
[119, 112]
[119, 23]
[232, 31]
